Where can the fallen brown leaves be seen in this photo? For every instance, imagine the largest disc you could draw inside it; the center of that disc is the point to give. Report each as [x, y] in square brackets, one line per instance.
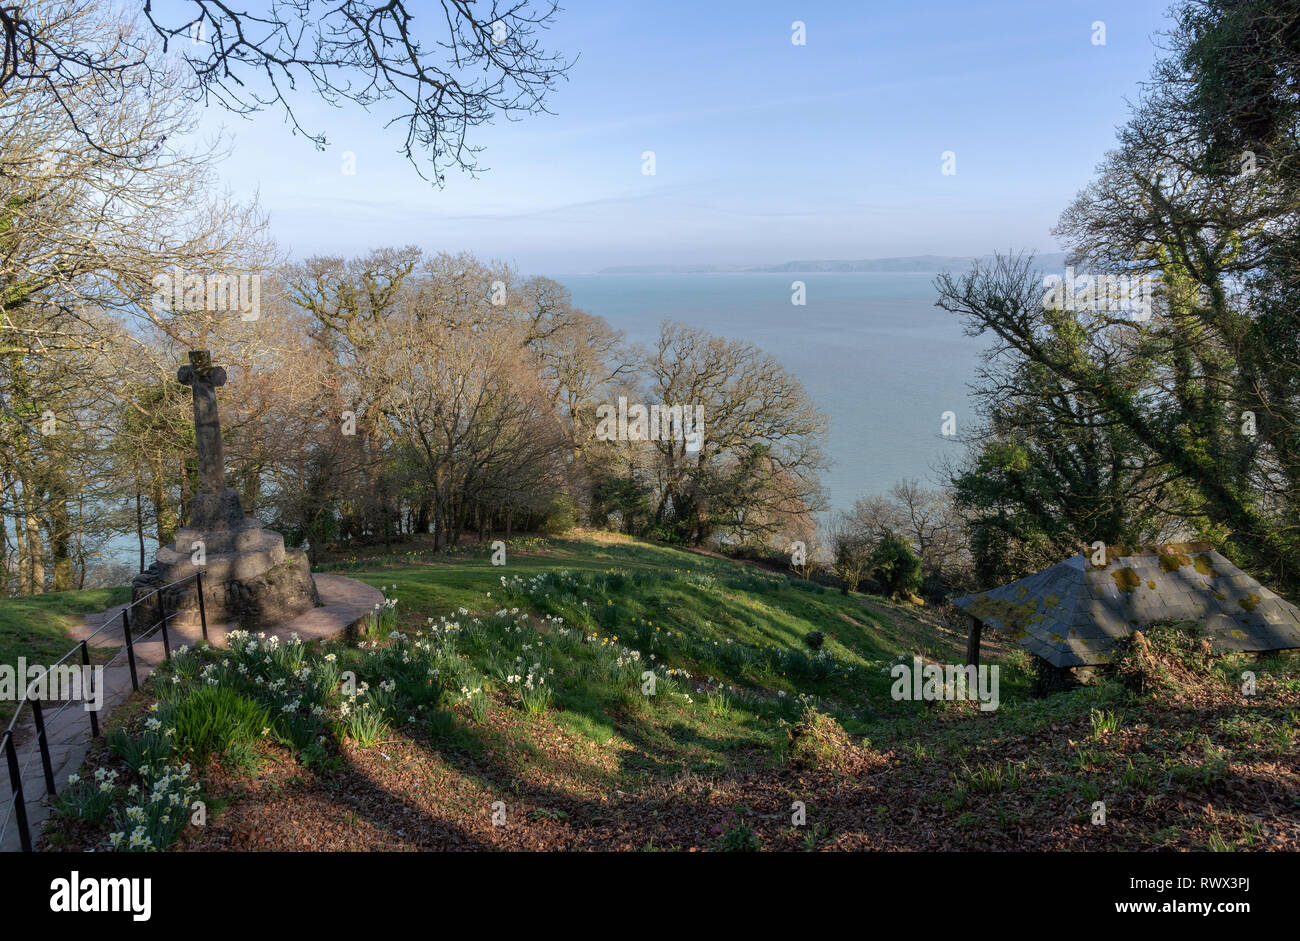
[529, 784]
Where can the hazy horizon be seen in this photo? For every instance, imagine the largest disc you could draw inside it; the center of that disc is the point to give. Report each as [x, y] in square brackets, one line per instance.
[765, 151]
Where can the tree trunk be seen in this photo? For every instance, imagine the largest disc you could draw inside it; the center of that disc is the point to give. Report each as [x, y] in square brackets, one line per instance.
[24, 570]
[35, 556]
[60, 544]
[139, 525]
[4, 557]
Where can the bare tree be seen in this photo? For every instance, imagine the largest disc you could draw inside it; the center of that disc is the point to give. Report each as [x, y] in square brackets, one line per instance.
[761, 444]
[84, 234]
[475, 61]
[851, 548]
[476, 425]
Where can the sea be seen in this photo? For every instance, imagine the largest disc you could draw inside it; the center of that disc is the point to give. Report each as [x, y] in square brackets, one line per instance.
[871, 348]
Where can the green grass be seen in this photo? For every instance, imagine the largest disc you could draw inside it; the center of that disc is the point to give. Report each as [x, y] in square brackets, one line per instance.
[733, 684]
[37, 627]
[707, 615]
[726, 640]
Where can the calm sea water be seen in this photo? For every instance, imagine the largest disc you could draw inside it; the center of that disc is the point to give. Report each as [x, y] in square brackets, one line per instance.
[871, 349]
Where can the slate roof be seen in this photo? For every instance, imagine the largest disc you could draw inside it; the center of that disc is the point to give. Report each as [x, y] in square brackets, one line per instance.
[1072, 613]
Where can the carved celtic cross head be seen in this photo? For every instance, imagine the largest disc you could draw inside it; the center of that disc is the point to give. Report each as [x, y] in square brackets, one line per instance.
[200, 369]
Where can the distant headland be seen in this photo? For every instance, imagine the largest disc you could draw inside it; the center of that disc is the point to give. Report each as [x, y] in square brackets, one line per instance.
[935, 263]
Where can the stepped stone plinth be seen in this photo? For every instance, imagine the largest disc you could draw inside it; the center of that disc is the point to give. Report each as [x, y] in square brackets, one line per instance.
[248, 575]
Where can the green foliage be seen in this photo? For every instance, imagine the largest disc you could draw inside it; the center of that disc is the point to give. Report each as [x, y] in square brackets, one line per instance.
[445, 684]
[991, 778]
[622, 503]
[896, 567]
[561, 515]
[212, 719]
[535, 694]
[88, 799]
[1103, 722]
[364, 722]
[1167, 657]
[146, 748]
[737, 836]
[158, 811]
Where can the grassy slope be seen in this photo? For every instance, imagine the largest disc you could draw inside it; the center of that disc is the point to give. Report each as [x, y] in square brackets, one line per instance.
[1026, 775]
[37, 627]
[745, 605]
[605, 767]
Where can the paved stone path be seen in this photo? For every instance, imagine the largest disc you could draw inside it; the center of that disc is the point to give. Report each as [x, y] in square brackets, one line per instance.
[346, 601]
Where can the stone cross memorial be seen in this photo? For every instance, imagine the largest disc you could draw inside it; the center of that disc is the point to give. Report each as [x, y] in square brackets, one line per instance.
[204, 379]
[248, 575]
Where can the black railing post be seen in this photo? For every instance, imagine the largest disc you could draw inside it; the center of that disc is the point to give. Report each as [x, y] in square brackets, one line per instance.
[16, 787]
[162, 619]
[203, 614]
[130, 649]
[45, 746]
[89, 693]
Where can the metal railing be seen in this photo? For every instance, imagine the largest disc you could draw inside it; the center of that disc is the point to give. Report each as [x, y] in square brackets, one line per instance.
[40, 744]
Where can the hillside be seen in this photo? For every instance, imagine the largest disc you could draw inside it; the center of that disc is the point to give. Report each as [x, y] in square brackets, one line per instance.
[518, 694]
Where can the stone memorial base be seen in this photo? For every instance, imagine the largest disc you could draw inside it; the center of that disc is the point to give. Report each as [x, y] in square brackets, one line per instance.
[249, 577]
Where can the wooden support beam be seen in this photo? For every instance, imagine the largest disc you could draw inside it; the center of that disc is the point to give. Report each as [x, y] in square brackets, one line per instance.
[973, 642]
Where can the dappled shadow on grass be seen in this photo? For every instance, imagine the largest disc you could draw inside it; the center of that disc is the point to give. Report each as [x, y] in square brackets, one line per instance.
[558, 790]
[439, 794]
[336, 806]
[539, 811]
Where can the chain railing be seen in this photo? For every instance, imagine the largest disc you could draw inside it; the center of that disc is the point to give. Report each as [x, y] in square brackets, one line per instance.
[17, 812]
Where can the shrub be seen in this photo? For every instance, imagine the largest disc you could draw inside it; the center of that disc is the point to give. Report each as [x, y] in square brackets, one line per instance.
[896, 567]
[814, 640]
[1167, 657]
[818, 742]
[561, 516]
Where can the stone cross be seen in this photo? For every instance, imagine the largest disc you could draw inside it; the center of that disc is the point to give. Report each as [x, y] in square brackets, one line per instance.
[203, 379]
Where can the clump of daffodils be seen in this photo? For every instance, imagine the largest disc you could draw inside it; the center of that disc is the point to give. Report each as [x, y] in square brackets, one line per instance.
[159, 812]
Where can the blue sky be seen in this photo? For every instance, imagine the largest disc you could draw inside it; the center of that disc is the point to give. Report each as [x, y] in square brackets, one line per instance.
[765, 151]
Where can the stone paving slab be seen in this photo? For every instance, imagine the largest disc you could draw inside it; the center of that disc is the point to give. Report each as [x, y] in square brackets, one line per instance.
[346, 601]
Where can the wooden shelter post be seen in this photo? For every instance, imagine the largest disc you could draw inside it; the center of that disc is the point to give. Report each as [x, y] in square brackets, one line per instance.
[973, 642]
